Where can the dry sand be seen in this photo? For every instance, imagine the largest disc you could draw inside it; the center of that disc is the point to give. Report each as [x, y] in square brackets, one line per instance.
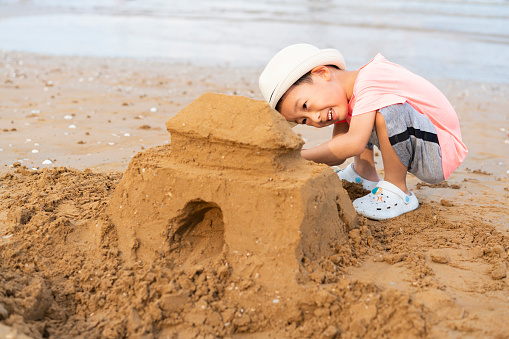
[437, 272]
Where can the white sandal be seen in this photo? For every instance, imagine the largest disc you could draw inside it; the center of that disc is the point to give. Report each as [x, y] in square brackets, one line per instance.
[349, 174]
[385, 201]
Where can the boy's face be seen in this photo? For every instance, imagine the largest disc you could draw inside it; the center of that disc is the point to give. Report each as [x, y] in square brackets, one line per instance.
[318, 104]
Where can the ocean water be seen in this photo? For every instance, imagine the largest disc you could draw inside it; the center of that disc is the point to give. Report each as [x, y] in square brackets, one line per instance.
[460, 39]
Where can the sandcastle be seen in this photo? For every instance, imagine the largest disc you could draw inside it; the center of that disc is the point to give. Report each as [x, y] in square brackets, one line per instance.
[232, 183]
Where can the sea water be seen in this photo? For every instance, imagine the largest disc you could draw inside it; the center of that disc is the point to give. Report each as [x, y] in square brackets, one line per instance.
[461, 39]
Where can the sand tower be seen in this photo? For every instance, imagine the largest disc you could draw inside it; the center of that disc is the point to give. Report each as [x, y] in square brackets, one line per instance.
[231, 181]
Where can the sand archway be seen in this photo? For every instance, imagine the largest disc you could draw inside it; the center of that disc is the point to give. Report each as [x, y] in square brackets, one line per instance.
[196, 235]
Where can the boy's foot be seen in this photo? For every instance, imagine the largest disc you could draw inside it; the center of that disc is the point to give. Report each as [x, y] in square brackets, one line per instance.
[349, 174]
[385, 201]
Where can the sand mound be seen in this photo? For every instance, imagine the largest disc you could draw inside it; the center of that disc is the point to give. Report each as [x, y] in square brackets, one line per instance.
[62, 275]
[231, 184]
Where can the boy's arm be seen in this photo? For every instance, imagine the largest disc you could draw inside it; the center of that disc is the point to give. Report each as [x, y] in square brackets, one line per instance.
[343, 145]
[340, 128]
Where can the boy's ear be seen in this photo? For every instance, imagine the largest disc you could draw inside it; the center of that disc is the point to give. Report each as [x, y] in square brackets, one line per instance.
[321, 71]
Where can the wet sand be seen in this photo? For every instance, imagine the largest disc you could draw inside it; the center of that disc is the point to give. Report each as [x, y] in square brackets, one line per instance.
[439, 271]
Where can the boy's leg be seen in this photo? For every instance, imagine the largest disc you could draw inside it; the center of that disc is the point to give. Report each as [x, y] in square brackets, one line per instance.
[364, 165]
[395, 171]
[408, 142]
[390, 198]
[361, 171]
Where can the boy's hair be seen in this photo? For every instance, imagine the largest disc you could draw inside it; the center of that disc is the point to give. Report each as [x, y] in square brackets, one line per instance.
[305, 79]
[292, 63]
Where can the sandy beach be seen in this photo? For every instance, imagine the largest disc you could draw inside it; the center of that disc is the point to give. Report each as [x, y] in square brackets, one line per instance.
[69, 128]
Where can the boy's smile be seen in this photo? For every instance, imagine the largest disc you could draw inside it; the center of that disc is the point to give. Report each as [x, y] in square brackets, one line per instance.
[319, 104]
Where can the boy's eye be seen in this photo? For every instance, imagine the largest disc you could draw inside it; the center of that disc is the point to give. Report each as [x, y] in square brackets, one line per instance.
[303, 121]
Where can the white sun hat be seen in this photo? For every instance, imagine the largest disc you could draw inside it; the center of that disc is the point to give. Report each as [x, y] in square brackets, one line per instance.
[290, 64]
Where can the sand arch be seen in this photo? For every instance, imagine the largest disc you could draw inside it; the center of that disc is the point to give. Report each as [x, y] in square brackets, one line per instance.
[196, 235]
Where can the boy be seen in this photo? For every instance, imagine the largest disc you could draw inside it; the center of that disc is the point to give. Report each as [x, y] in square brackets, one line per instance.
[382, 104]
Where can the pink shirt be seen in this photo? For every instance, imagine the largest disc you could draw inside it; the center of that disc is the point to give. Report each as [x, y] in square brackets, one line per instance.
[381, 83]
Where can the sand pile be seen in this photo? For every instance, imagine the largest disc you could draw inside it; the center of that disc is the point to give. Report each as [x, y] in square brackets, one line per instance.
[231, 184]
[64, 276]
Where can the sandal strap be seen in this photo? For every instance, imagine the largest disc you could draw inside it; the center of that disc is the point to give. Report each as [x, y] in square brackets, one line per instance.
[385, 185]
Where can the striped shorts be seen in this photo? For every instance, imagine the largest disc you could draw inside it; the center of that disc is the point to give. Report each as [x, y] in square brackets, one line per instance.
[414, 139]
